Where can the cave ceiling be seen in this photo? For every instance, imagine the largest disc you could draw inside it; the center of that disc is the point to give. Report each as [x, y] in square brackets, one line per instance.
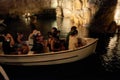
[11, 6]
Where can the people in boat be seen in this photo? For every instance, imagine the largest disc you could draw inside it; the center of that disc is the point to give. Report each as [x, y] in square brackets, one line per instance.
[23, 49]
[75, 41]
[73, 28]
[31, 37]
[21, 45]
[41, 40]
[81, 41]
[54, 30]
[62, 44]
[55, 43]
[8, 43]
[38, 41]
[49, 40]
[40, 45]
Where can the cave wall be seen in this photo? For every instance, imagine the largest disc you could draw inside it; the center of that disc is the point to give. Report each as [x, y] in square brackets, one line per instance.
[103, 21]
[98, 13]
[79, 11]
[22, 6]
[103, 17]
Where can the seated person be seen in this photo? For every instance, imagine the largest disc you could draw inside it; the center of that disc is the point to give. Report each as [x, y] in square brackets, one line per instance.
[81, 42]
[54, 42]
[21, 45]
[8, 43]
[31, 38]
[67, 37]
[39, 44]
[75, 41]
[24, 49]
[62, 44]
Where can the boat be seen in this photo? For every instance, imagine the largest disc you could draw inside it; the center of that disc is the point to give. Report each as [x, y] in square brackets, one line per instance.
[51, 58]
[3, 73]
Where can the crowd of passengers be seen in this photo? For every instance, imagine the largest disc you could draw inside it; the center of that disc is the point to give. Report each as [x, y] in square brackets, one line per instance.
[37, 43]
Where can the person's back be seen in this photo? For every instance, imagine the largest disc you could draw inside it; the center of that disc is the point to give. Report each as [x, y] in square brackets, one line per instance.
[67, 37]
[73, 40]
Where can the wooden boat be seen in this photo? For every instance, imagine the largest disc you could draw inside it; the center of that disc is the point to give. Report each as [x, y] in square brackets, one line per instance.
[51, 57]
[3, 73]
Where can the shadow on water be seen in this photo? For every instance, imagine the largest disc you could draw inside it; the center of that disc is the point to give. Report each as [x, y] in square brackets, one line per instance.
[108, 49]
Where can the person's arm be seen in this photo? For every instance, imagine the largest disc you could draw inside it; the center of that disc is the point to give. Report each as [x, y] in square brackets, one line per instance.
[52, 45]
[76, 44]
[30, 36]
[19, 39]
[12, 42]
[25, 49]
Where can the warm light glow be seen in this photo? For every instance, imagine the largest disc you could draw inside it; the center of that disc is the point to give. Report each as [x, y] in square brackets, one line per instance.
[117, 13]
[54, 24]
[26, 17]
[117, 16]
[53, 3]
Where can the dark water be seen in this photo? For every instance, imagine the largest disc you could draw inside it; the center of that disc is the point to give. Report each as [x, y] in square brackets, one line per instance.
[103, 65]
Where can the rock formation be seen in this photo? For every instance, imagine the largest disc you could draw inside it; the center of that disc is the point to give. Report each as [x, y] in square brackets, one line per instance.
[80, 11]
[104, 18]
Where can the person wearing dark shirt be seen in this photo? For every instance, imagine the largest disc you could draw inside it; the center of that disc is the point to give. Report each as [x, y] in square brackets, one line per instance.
[8, 43]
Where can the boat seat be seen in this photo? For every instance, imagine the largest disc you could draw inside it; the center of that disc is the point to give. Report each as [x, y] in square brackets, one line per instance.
[2, 71]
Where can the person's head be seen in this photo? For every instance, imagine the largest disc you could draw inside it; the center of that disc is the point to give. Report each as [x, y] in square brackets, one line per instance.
[73, 33]
[7, 34]
[49, 34]
[54, 29]
[39, 37]
[73, 28]
[20, 34]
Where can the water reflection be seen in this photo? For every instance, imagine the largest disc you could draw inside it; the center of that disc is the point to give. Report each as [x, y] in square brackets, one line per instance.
[108, 49]
[111, 60]
[44, 25]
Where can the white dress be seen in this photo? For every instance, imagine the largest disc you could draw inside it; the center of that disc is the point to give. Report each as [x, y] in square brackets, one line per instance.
[73, 41]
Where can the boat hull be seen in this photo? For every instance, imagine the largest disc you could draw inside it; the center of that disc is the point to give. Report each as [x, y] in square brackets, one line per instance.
[51, 58]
